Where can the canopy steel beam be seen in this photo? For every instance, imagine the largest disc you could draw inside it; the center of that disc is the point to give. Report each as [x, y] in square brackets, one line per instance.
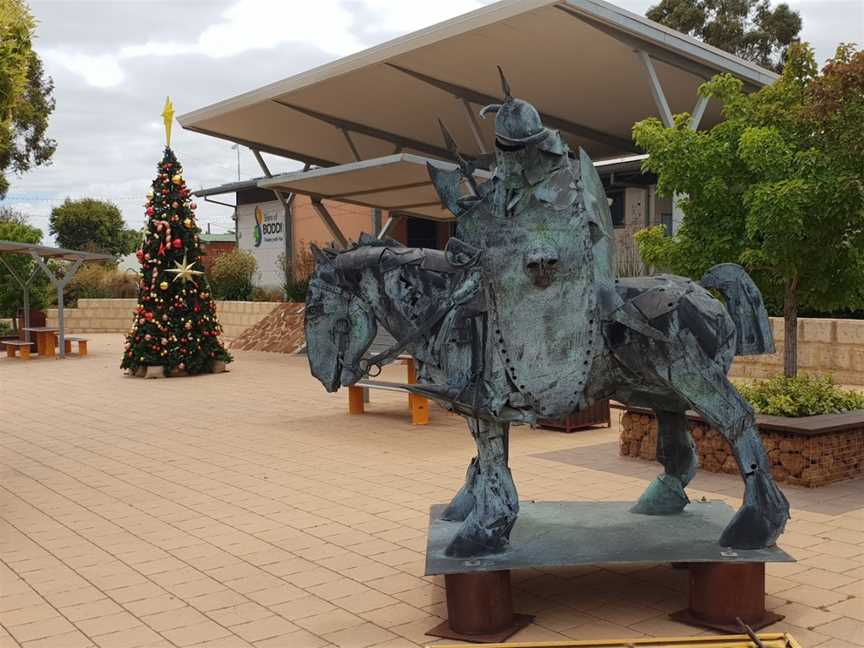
[351, 145]
[549, 120]
[265, 148]
[656, 89]
[325, 216]
[698, 111]
[377, 133]
[475, 127]
[658, 53]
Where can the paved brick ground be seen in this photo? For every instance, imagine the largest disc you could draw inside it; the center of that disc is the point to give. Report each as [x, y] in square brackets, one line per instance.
[247, 509]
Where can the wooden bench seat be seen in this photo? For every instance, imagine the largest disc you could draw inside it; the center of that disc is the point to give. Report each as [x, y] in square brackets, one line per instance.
[22, 347]
[419, 406]
[82, 345]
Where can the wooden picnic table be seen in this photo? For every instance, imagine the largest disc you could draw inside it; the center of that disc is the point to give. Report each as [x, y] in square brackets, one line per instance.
[46, 339]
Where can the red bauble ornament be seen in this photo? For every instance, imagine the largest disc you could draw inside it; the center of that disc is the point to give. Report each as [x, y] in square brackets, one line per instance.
[140, 255]
[149, 211]
[177, 243]
[148, 316]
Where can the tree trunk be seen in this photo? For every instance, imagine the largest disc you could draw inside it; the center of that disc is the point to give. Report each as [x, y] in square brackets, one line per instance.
[790, 329]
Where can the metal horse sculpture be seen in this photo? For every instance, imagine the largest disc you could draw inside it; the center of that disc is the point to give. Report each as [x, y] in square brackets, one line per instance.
[521, 317]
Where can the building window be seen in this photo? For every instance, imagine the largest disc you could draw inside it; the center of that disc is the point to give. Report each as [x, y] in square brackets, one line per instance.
[617, 207]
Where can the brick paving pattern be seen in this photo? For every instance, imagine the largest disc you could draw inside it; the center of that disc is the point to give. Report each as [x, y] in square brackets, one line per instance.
[247, 509]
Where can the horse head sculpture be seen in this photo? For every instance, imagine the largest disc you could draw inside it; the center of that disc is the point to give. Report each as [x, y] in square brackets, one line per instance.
[339, 326]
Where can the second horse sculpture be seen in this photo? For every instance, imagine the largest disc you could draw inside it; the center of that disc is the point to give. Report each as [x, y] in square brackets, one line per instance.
[521, 317]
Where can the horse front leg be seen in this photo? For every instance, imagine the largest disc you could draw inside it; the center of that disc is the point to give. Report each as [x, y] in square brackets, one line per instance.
[486, 528]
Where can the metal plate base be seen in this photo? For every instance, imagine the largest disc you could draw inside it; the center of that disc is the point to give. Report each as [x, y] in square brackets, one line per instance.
[688, 618]
[562, 534]
[519, 621]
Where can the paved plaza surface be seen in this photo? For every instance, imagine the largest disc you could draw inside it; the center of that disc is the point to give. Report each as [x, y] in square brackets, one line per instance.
[248, 509]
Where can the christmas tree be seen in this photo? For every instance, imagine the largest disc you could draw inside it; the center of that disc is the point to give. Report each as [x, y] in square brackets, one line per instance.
[175, 325]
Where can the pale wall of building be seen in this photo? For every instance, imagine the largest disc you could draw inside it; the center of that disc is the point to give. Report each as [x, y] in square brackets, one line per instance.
[308, 228]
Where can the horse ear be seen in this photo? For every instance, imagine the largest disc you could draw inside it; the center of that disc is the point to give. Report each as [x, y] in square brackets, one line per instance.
[320, 257]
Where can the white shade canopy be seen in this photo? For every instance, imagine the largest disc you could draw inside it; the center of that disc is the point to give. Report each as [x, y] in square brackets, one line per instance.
[578, 61]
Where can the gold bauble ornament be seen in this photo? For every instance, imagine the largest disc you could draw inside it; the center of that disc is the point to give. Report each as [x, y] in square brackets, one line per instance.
[164, 285]
[187, 223]
[177, 179]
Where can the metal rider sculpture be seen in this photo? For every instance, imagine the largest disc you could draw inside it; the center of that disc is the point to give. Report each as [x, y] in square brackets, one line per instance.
[522, 318]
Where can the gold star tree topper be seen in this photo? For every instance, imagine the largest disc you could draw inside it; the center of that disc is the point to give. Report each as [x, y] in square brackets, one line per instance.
[168, 119]
[184, 270]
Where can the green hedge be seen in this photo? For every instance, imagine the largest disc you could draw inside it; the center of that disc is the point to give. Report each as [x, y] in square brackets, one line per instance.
[805, 395]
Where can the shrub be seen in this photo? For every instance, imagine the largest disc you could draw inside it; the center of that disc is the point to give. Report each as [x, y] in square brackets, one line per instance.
[296, 277]
[260, 294]
[101, 281]
[803, 395]
[231, 275]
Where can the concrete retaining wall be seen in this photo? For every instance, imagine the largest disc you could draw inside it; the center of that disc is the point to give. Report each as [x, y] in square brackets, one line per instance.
[115, 315]
[834, 346]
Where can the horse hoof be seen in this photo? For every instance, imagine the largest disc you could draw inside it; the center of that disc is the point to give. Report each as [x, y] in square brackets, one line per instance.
[750, 529]
[762, 517]
[472, 542]
[665, 496]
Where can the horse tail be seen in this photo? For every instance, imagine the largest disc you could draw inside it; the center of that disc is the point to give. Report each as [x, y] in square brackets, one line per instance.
[746, 307]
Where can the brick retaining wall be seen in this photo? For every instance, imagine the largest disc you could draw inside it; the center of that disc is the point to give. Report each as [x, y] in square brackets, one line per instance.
[115, 315]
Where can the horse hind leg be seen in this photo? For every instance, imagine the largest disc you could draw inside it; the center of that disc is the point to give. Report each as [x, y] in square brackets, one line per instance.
[764, 510]
[677, 453]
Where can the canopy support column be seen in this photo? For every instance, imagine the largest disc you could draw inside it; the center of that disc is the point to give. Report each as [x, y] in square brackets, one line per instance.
[60, 285]
[25, 287]
[325, 216]
[391, 221]
[475, 128]
[668, 121]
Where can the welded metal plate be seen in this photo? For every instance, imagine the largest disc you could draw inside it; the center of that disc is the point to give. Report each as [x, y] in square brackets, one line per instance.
[563, 534]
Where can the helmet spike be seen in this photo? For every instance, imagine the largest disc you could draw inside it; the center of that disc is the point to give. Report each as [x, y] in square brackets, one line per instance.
[508, 96]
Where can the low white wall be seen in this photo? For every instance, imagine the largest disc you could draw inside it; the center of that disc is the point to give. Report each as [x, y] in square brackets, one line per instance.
[115, 315]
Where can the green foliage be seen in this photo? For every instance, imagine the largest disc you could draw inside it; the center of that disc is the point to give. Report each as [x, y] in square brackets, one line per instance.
[295, 284]
[260, 294]
[232, 274]
[750, 29]
[656, 248]
[26, 99]
[95, 281]
[5, 329]
[800, 396]
[13, 227]
[92, 225]
[175, 324]
[778, 186]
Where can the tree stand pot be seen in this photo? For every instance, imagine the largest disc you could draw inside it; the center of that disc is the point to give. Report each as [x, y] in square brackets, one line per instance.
[480, 608]
[721, 593]
[218, 367]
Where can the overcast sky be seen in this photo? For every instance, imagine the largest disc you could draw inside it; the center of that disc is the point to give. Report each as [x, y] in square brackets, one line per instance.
[114, 61]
